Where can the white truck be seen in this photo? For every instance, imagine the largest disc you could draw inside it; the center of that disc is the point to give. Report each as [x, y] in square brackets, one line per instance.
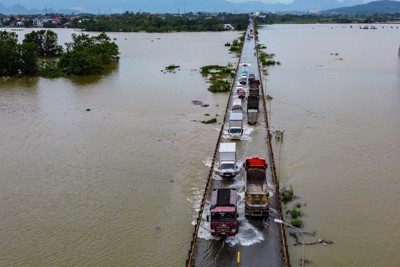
[237, 105]
[227, 160]
[235, 125]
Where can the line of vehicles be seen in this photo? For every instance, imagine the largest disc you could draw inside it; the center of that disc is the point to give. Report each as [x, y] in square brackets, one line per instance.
[224, 212]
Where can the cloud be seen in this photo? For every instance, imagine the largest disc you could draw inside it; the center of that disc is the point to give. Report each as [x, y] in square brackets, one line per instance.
[264, 1]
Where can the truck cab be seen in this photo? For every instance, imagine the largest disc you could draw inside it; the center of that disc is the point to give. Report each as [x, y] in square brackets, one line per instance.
[223, 212]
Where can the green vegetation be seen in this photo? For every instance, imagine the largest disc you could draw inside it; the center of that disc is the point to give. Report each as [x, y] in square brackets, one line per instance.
[273, 18]
[217, 71]
[297, 222]
[295, 213]
[46, 43]
[219, 86]
[237, 45]
[171, 68]
[287, 194]
[267, 59]
[16, 59]
[137, 22]
[88, 55]
[220, 77]
[39, 54]
[210, 121]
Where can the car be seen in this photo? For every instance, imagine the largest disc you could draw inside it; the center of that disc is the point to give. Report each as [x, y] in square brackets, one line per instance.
[245, 63]
[241, 93]
[243, 80]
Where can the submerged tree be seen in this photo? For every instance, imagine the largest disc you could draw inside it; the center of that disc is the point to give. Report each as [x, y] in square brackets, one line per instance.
[88, 55]
[16, 59]
[46, 43]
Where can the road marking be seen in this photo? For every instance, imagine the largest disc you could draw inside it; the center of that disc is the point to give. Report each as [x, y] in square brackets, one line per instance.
[238, 257]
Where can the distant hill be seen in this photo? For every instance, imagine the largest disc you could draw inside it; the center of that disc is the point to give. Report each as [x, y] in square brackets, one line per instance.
[166, 6]
[21, 10]
[184, 6]
[376, 7]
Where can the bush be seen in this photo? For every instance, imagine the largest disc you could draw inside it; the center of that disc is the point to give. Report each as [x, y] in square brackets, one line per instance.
[219, 86]
[287, 194]
[295, 213]
[297, 222]
[211, 121]
[171, 67]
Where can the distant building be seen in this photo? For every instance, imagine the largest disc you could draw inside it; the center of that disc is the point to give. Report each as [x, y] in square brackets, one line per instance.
[228, 27]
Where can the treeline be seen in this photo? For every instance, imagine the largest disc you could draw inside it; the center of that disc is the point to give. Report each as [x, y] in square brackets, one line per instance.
[325, 18]
[137, 22]
[40, 54]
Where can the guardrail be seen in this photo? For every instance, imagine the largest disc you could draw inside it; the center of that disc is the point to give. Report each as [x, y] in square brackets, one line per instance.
[193, 243]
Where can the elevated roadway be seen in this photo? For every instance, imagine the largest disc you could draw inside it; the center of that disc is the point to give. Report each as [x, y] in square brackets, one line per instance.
[258, 243]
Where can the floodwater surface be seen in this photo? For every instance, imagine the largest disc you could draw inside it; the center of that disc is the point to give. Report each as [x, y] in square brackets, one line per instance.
[116, 185]
[337, 96]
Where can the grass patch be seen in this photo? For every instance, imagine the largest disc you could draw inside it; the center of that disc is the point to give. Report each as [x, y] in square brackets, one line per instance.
[219, 86]
[220, 77]
[210, 121]
[295, 213]
[171, 68]
[267, 59]
[297, 222]
[287, 194]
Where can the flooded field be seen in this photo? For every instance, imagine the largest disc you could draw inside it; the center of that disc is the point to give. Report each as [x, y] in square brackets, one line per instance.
[115, 186]
[337, 97]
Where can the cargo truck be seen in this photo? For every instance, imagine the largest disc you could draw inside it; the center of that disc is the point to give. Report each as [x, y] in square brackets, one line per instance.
[256, 188]
[227, 160]
[253, 102]
[223, 211]
[235, 125]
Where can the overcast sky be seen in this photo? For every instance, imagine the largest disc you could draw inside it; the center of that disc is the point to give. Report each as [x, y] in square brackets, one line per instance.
[40, 4]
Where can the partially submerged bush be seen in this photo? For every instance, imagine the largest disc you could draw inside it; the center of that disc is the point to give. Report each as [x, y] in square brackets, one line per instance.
[219, 86]
[295, 213]
[287, 194]
[211, 121]
[171, 67]
[297, 222]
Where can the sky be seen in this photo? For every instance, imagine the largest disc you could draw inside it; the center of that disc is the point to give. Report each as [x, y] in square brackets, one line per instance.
[77, 4]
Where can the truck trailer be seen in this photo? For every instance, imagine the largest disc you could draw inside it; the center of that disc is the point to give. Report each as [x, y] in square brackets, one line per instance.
[235, 125]
[227, 160]
[256, 188]
[253, 102]
[223, 211]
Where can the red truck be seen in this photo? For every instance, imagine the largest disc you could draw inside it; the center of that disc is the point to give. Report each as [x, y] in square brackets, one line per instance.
[224, 212]
[256, 188]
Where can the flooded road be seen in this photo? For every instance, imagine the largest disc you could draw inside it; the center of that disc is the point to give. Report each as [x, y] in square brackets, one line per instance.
[118, 185]
[115, 186]
[337, 97]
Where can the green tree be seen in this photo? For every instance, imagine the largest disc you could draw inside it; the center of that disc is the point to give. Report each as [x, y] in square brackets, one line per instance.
[8, 54]
[27, 59]
[16, 59]
[88, 55]
[46, 42]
